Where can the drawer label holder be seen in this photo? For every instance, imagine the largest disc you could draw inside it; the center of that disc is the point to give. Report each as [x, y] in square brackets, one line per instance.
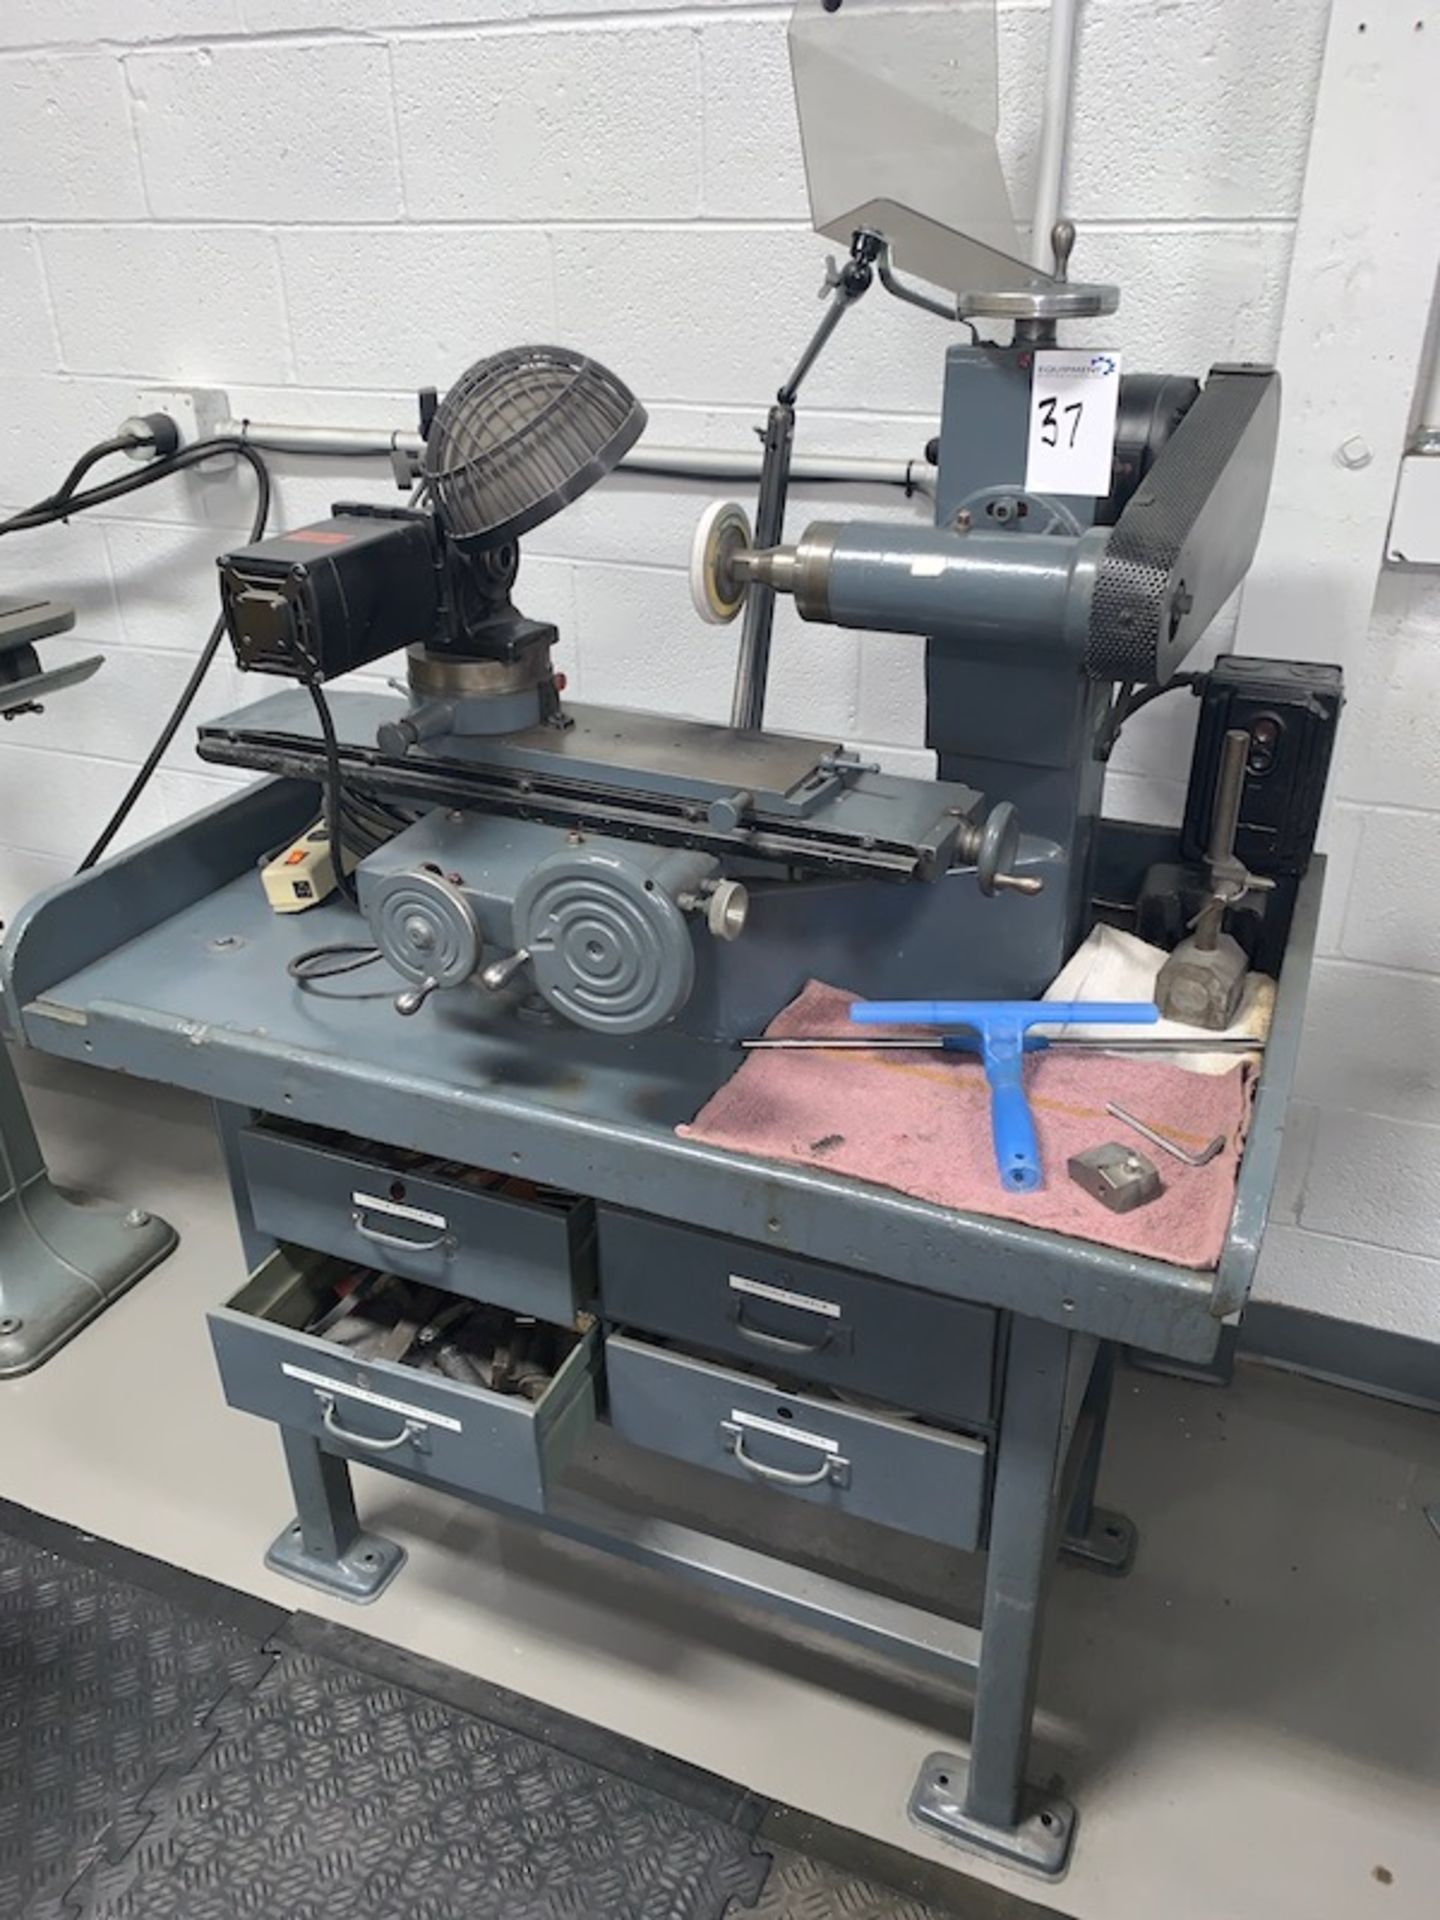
[783, 1297]
[392, 1209]
[342, 1390]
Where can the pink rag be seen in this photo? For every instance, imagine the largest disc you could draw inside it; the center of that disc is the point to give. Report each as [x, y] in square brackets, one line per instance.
[920, 1122]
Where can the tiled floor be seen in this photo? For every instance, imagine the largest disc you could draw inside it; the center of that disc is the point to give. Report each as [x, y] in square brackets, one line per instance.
[1250, 1723]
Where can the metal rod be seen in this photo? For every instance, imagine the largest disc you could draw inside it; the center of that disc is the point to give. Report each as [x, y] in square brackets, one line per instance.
[896, 1628]
[1225, 820]
[840, 300]
[902, 290]
[1165, 1143]
[957, 1043]
[1054, 128]
[1224, 824]
[752, 667]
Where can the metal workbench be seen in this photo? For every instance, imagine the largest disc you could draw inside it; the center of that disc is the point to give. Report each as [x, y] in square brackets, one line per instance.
[166, 963]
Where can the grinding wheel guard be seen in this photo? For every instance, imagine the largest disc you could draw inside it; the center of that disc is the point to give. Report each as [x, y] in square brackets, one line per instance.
[1186, 539]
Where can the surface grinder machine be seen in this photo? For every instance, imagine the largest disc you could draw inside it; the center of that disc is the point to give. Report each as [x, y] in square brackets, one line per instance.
[449, 1091]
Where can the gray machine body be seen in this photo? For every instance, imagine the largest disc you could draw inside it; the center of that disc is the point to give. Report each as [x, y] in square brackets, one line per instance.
[1031, 611]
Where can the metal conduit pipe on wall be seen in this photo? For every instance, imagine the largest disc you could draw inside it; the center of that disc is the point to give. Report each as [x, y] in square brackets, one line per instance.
[1054, 129]
[676, 463]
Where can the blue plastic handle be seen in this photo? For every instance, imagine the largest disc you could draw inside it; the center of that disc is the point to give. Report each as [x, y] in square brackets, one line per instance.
[1017, 1151]
[994, 1013]
[1002, 1041]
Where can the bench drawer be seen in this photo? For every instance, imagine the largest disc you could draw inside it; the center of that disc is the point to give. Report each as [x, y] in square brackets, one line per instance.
[383, 1413]
[875, 1466]
[483, 1235]
[916, 1350]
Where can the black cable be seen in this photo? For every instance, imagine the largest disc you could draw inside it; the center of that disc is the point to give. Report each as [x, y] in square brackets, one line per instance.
[334, 798]
[349, 956]
[46, 512]
[308, 971]
[120, 443]
[203, 662]
[1129, 700]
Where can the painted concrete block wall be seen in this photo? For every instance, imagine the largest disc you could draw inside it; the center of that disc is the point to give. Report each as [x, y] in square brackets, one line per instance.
[320, 205]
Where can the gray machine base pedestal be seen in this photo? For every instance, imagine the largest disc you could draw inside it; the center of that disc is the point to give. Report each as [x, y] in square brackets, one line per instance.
[1040, 1842]
[62, 1264]
[1108, 1547]
[361, 1573]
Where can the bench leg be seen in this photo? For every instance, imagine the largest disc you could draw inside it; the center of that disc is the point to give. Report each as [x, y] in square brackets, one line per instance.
[324, 1545]
[1095, 1536]
[983, 1801]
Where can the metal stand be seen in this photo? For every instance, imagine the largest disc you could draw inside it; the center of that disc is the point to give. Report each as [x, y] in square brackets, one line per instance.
[325, 1546]
[60, 1263]
[752, 668]
[1047, 1450]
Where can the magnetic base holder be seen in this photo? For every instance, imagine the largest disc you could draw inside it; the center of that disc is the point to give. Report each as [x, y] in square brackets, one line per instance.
[1108, 1547]
[1039, 1842]
[361, 1573]
[61, 1264]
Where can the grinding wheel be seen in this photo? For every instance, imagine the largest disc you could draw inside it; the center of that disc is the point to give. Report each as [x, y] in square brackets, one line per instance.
[716, 589]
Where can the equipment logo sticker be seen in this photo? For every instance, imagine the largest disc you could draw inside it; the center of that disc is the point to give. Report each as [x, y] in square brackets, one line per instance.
[1074, 400]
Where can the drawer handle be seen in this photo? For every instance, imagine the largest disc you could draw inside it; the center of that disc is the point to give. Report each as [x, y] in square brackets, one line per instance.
[833, 1467]
[779, 1342]
[411, 1434]
[400, 1241]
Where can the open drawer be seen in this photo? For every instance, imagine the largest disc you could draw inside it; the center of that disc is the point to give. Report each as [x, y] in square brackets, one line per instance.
[488, 1236]
[468, 1438]
[878, 1466]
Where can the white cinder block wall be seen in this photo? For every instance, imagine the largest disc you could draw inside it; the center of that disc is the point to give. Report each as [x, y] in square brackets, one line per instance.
[320, 205]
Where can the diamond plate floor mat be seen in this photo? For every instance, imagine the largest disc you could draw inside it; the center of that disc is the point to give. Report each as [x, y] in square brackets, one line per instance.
[173, 1751]
[105, 1693]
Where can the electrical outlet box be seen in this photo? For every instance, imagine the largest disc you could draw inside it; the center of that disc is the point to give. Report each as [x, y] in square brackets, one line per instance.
[199, 413]
[1414, 537]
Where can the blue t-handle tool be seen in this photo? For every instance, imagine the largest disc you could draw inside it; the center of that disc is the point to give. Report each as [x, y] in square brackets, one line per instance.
[1003, 1043]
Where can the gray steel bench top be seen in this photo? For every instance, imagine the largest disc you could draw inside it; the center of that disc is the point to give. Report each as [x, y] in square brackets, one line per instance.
[166, 963]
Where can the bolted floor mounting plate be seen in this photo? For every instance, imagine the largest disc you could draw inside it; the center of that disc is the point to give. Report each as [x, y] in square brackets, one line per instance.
[1109, 1546]
[361, 1573]
[1040, 1842]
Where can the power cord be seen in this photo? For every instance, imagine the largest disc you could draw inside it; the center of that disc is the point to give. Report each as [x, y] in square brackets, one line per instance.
[317, 964]
[69, 499]
[203, 662]
[119, 443]
[350, 820]
[334, 794]
[1129, 700]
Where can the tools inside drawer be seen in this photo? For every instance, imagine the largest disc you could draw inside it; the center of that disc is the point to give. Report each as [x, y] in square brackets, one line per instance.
[380, 1316]
[490, 1236]
[409, 1377]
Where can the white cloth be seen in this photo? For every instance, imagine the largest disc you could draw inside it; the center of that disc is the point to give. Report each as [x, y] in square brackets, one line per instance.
[1116, 966]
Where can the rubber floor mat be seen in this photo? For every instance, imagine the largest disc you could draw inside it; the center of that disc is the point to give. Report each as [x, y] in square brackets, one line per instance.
[329, 1795]
[170, 1750]
[104, 1694]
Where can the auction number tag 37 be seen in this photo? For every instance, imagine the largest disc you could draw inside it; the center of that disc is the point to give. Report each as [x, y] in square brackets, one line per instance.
[1074, 397]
